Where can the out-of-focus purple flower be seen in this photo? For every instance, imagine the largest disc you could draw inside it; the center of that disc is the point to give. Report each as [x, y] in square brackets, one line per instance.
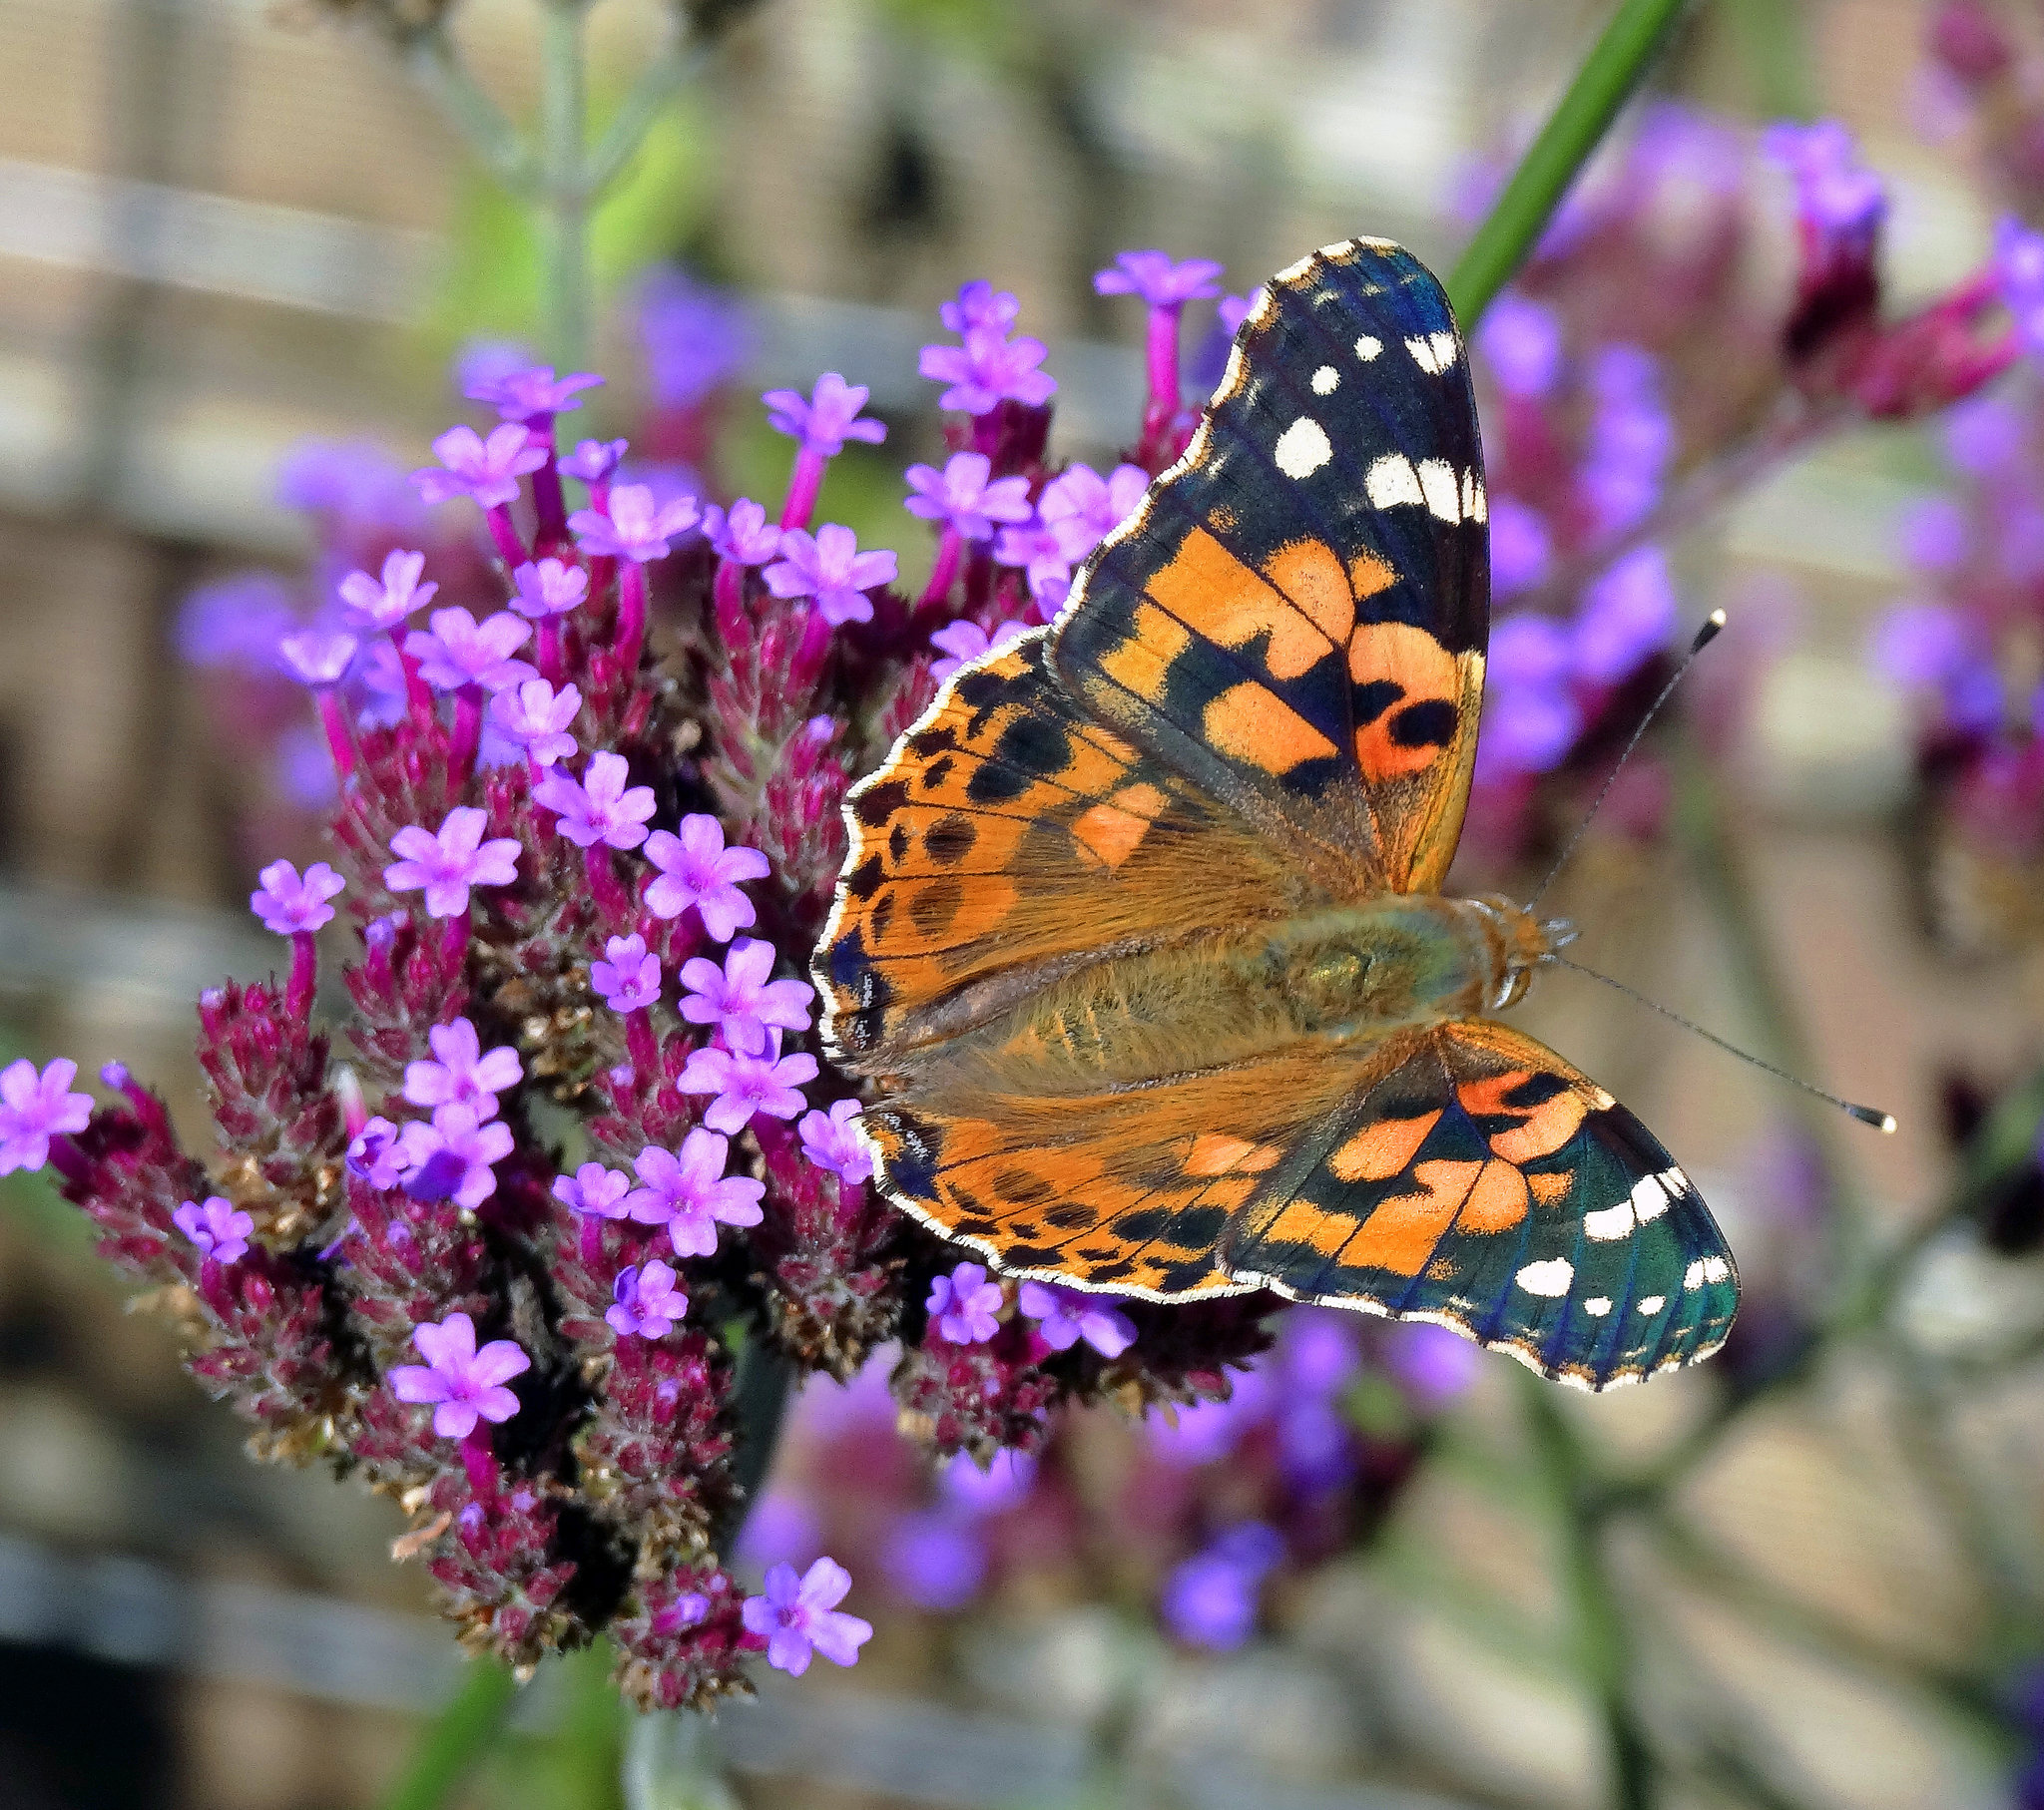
[462, 1072]
[1520, 341]
[599, 807]
[376, 1155]
[451, 1157]
[1037, 549]
[594, 1191]
[961, 497]
[1232, 311]
[1528, 650]
[800, 1617]
[302, 762]
[782, 1528]
[1922, 645]
[1317, 1350]
[449, 861]
[34, 1107]
[1521, 550]
[1434, 1363]
[964, 642]
[236, 621]
[288, 903]
[987, 369]
[689, 1195]
[744, 533]
[979, 304]
[825, 418]
[375, 604]
[1529, 730]
[548, 587]
[216, 1227]
[354, 483]
[637, 526]
[830, 568]
[696, 869]
[2019, 268]
[1834, 192]
[1628, 615]
[1632, 437]
[525, 395]
[965, 1305]
[318, 657]
[1315, 1445]
[536, 716]
[1210, 1600]
[487, 470]
[740, 1000]
[1066, 1315]
[1935, 534]
[647, 1302]
[1208, 1430]
[1000, 1486]
[487, 360]
[833, 1142]
[767, 1082]
[463, 1384]
[459, 650]
[593, 460]
[1985, 434]
[934, 1560]
[629, 978]
[1081, 508]
[695, 336]
[1158, 281]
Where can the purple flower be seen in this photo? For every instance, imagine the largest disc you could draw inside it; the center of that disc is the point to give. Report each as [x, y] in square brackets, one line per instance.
[464, 1384]
[288, 904]
[374, 604]
[782, 1528]
[2019, 268]
[599, 807]
[1527, 731]
[1521, 550]
[690, 1193]
[1935, 534]
[744, 534]
[1834, 192]
[1527, 650]
[450, 1157]
[696, 869]
[459, 650]
[487, 470]
[524, 395]
[1632, 437]
[961, 497]
[1521, 341]
[354, 483]
[963, 642]
[550, 588]
[831, 1141]
[236, 621]
[800, 1617]
[1161, 282]
[1628, 616]
[36, 1107]
[965, 1304]
[593, 460]
[740, 1000]
[1037, 549]
[648, 1303]
[536, 716]
[637, 527]
[769, 1082]
[629, 977]
[1210, 1600]
[1066, 1315]
[1081, 508]
[988, 368]
[823, 420]
[1000, 1486]
[1922, 645]
[376, 1155]
[448, 862]
[316, 657]
[219, 1231]
[1988, 433]
[934, 1560]
[979, 304]
[695, 337]
[462, 1073]
[1432, 1362]
[594, 1191]
[830, 568]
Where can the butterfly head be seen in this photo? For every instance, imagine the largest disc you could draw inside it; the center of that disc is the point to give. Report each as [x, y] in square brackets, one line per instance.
[1520, 942]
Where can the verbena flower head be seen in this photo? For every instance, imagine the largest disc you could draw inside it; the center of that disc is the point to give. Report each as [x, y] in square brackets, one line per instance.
[832, 1141]
[593, 461]
[628, 978]
[36, 1105]
[290, 903]
[744, 533]
[236, 621]
[636, 526]
[1081, 508]
[646, 1302]
[963, 497]
[766, 1082]
[1834, 191]
[374, 604]
[800, 1617]
[688, 1192]
[599, 807]
[318, 657]
[740, 1000]
[830, 568]
[448, 862]
[963, 642]
[825, 418]
[1064, 1316]
[217, 1226]
[545, 588]
[488, 470]
[987, 369]
[964, 1306]
[1158, 281]
[463, 1384]
[533, 392]
[697, 871]
[536, 716]
[453, 1156]
[458, 651]
[460, 1072]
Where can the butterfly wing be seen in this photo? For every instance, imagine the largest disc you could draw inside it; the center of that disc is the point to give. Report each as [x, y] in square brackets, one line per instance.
[1483, 1183]
[1297, 615]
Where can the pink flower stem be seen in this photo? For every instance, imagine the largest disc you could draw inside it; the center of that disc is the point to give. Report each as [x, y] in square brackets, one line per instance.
[808, 664]
[468, 731]
[454, 942]
[945, 570]
[600, 496]
[986, 432]
[803, 485]
[1162, 359]
[591, 1241]
[510, 549]
[551, 512]
[418, 700]
[550, 651]
[603, 883]
[631, 615]
[640, 1043]
[729, 603]
[340, 741]
[480, 1462]
[533, 771]
[298, 990]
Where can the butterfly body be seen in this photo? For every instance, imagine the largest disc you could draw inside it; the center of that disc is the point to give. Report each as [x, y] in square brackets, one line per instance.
[1141, 935]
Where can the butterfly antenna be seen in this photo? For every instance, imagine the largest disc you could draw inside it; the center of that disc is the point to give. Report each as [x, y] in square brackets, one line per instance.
[1705, 637]
[1873, 1115]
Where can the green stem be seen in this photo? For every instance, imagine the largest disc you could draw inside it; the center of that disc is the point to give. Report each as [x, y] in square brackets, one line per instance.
[658, 84]
[456, 1739]
[429, 57]
[1602, 85]
[564, 194]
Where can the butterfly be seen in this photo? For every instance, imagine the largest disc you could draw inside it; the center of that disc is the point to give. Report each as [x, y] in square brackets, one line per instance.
[1141, 938]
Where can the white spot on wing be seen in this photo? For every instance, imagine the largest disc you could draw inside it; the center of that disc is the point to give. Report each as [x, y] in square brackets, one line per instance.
[1434, 354]
[1476, 505]
[1324, 380]
[1443, 493]
[1650, 1198]
[1651, 1305]
[1550, 1278]
[1612, 1222]
[1597, 1306]
[1293, 272]
[1391, 480]
[1369, 346]
[1302, 448]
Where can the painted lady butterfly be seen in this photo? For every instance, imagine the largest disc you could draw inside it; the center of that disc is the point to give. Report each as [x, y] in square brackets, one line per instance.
[1140, 933]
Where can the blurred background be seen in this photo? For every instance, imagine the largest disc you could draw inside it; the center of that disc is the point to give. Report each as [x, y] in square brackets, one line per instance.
[233, 231]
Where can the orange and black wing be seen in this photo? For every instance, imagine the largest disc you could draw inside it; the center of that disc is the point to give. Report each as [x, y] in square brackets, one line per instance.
[1295, 618]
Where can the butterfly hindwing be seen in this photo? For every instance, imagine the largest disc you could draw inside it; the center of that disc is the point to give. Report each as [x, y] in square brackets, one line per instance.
[1484, 1184]
[1297, 615]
